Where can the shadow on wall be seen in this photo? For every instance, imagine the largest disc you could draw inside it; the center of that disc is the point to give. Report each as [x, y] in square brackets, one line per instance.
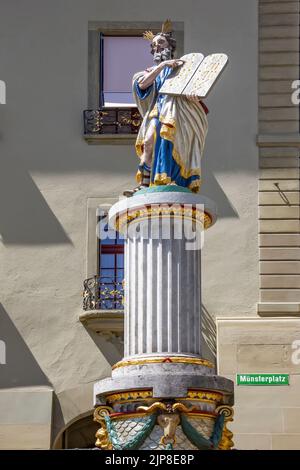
[209, 332]
[25, 217]
[111, 346]
[20, 368]
[79, 434]
[211, 188]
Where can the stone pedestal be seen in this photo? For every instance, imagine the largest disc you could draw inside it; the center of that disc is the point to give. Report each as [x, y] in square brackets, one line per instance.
[164, 394]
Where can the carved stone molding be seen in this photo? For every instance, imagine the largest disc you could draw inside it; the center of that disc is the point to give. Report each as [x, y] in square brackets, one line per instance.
[104, 139]
[107, 323]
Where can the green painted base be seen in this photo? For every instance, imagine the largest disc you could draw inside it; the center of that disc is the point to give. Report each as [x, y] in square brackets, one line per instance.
[167, 188]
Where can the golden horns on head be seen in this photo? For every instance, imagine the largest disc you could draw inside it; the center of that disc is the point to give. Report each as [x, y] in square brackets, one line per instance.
[148, 35]
[166, 28]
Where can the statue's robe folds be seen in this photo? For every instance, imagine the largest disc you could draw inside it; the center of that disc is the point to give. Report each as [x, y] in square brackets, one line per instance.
[180, 132]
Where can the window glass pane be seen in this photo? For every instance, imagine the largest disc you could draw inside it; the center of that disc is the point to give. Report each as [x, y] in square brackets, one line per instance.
[120, 275]
[107, 303]
[116, 99]
[111, 272]
[120, 261]
[107, 275]
[122, 58]
[107, 261]
[107, 241]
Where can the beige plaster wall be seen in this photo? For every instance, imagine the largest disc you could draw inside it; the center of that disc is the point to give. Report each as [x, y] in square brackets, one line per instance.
[49, 172]
[26, 418]
[266, 417]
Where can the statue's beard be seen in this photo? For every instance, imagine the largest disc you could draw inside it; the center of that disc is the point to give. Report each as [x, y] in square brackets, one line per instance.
[165, 54]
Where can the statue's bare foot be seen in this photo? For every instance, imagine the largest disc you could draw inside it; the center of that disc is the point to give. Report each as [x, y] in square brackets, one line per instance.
[131, 192]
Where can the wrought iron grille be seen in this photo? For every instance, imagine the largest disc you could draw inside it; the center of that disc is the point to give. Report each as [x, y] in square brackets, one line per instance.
[112, 121]
[103, 294]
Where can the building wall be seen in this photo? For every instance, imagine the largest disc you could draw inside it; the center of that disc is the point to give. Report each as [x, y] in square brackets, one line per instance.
[278, 142]
[268, 417]
[49, 173]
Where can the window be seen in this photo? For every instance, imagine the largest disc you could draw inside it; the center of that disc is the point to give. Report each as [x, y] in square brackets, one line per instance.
[120, 58]
[111, 272]
[103, 284]
[117, 50]
[117, 42]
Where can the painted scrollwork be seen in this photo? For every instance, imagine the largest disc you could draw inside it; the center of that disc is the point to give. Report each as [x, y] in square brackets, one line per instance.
[226, 442]
[102, 436]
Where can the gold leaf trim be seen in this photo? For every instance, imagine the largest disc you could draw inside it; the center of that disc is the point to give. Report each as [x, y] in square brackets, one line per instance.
[158, 405]
[175, 360]
[201, 414]
[102, 436]
[163, 211]
[226, 442]
[203, 395]
[123, 416]
[130, 395]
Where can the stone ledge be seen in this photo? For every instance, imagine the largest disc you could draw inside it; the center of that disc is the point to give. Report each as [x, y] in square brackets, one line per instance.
[105, 139]
[107, 322]
[278, 140]
[278, 309]
[164, 385]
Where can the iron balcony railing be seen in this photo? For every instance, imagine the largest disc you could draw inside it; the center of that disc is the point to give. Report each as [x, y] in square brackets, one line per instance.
[111, 121]
[101, 293]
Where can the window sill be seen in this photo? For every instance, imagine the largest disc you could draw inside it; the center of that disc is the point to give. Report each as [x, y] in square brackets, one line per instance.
[105, 139]
[104, 322]
[278, 309]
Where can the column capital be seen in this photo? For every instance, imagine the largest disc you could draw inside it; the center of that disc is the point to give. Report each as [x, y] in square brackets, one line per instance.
[163, 201]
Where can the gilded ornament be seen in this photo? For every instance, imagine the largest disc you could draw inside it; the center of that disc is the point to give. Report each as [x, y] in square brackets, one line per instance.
[102, 439]
[145, 213]
[154, 407]
[226, 442]
[168, 422]
[174, 359]
[167, 26]
[131, 395]
[100, 413]
[206, 396]
[102, 435]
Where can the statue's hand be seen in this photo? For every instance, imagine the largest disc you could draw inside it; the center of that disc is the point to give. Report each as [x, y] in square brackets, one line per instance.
[172, 63]
[194, 98]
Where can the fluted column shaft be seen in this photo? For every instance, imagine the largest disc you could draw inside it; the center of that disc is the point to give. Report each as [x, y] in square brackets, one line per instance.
[162, 293]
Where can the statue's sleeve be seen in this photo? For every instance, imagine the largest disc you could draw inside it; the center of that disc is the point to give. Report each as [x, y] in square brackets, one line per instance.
[143, 98]
[142, 94]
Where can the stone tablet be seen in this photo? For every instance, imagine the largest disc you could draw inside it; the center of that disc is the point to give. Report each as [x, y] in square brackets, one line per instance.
[196, 76]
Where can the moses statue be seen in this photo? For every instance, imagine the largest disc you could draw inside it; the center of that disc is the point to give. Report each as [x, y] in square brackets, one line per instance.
[172, 135]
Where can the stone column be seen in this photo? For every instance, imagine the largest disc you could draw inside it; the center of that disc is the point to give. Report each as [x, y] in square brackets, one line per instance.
[163, 368]
[163, 300]
[163, 271]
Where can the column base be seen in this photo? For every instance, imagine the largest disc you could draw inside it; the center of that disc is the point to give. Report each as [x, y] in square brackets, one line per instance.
[161, 403]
